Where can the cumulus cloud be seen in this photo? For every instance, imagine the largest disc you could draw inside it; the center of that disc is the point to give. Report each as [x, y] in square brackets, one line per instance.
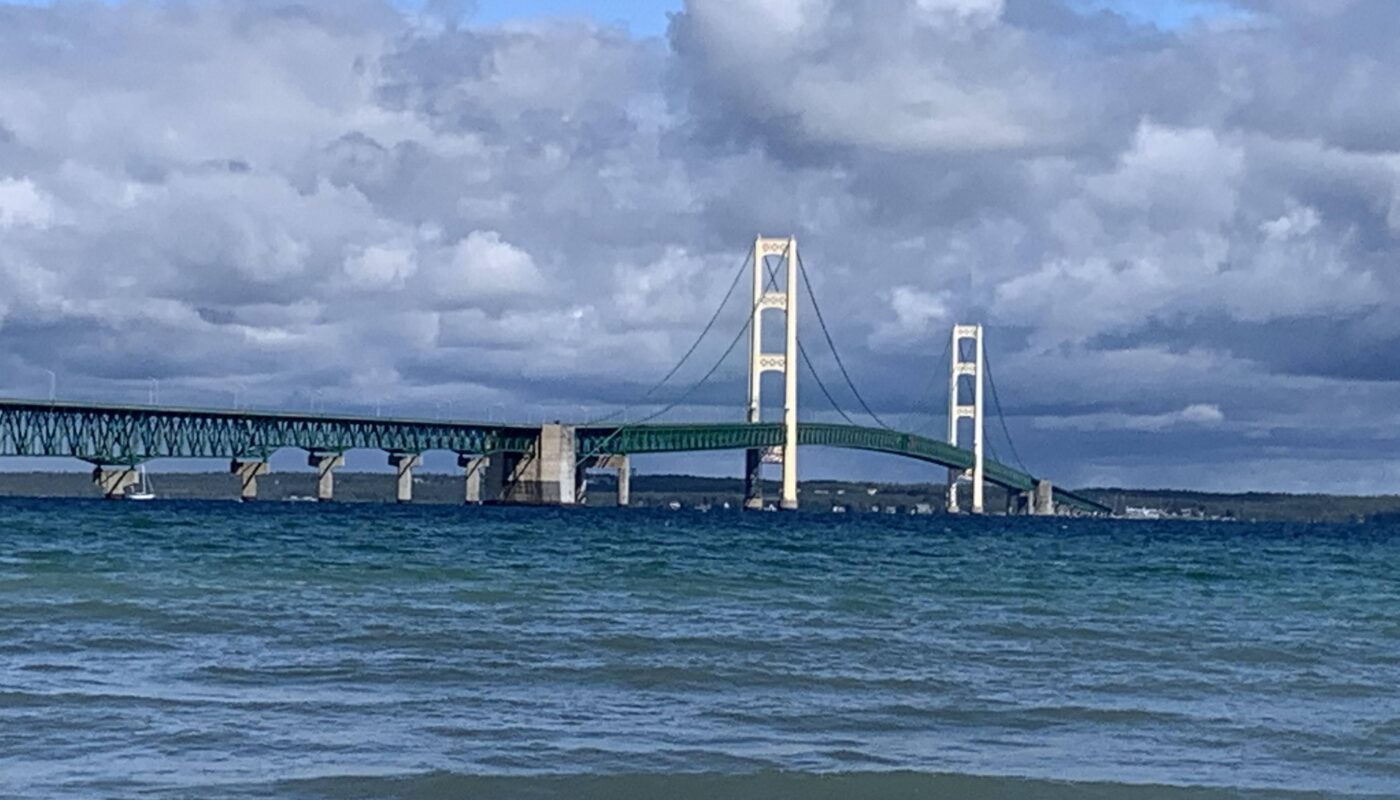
[914, 317]
[922, 76]
[380, 266]
[486, 267]
[21, 203]
[347, 194]
[1197, 414]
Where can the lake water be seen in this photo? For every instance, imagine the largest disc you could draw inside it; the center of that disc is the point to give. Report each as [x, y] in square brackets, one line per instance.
[217, 650]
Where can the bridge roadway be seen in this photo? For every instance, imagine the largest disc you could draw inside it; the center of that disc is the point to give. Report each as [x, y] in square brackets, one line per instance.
[115, 436]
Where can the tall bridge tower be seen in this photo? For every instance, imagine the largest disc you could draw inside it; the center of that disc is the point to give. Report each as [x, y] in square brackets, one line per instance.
[958, 411]
[767, 294]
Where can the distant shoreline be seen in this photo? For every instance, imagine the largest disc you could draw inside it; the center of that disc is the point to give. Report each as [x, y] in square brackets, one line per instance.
[706, 492]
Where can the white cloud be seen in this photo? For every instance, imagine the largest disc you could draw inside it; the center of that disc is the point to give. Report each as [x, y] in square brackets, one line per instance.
[1201, 414]
[678, 289]
[24, 204]
[489, 267]
[1191, 173]
[381, 266]
[943, 11]
[1195, 415]
[917, 316]
[931, 84]
[1298, 223]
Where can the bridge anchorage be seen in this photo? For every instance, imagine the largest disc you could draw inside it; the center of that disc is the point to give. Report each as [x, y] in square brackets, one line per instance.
[546, 464]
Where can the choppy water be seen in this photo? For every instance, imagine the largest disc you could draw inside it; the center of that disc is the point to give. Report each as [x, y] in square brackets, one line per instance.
[216, 650]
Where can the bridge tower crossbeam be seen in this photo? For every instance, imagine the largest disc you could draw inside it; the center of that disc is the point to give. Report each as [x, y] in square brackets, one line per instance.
[782, 298]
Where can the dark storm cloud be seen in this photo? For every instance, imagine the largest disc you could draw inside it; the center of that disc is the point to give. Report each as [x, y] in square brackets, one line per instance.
[1181, 240]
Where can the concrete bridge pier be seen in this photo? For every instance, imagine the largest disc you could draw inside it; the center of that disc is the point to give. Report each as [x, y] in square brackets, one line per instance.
[548, 475]
[115, 480]
[753, 480]
[477, 468]
[404, 464]
[248, 473]
[502, 472]
[326, 464]
[623, 466]
[1017, 503]
[955, 477]
[1044, 499]
[624, 481]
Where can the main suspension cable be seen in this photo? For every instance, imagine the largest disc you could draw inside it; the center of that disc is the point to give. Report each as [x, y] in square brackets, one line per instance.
[821, 320]
[771, 282]
[694, 387]
[996, 399]
[801, 348]
[925, 407]
[693, 347]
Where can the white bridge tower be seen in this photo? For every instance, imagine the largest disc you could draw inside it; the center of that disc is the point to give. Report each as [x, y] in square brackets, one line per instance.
[783, 298]
[959, 411]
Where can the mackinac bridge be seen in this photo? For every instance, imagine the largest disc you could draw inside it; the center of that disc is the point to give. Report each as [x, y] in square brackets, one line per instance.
[546, 464]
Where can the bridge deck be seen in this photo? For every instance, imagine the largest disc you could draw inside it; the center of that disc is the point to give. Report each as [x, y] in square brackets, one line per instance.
[641, 439]
[115, 434]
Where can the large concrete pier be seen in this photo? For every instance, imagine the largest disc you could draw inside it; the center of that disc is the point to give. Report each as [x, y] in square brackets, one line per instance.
[547, 474]
[476, 467]
[622, 465]
[248, 473]
[326, 464]
[403, 464]
[113, 481]
[1044, 499]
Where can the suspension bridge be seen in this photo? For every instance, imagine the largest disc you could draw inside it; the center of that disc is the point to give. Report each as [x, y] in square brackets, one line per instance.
[545, 464]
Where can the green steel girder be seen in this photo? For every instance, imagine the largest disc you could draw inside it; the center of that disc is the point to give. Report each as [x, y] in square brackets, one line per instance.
[637, 439]
[105, 434]
[641, 439]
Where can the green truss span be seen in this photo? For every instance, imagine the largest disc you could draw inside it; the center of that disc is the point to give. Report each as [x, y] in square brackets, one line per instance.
[120, 435]
[105, 434]
[642, 439]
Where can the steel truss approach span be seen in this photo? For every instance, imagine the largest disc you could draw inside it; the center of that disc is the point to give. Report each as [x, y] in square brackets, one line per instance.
[128, 435]
[105, 434]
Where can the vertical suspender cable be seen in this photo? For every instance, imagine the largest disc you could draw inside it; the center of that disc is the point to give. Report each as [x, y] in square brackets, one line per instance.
[693, 347]
[821, 320]
[1001, 416]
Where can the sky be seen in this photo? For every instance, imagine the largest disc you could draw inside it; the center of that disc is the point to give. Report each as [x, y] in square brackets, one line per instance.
[650, 17]
[1176, 220]
[642, 17]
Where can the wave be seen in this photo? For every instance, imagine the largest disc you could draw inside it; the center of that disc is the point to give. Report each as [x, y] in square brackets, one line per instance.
[758, 786]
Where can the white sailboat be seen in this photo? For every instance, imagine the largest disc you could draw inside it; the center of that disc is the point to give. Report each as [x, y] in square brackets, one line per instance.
[142, 491]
